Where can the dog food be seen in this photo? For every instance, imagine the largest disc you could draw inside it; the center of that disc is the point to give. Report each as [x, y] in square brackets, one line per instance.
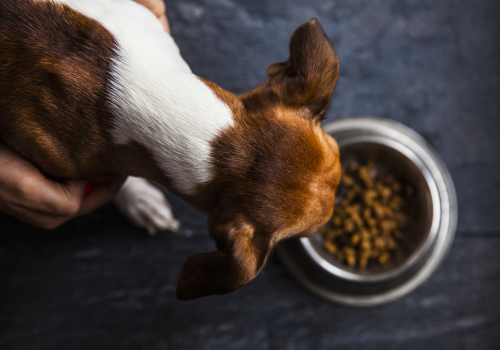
[368, 222]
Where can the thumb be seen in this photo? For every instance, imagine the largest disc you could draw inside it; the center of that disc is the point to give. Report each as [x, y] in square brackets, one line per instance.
[58, 199]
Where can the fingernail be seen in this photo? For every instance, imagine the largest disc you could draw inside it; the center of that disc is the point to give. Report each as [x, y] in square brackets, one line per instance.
[88, 188]
[174, 227]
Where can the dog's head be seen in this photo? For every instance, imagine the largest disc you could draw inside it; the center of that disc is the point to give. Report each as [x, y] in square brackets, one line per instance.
[277, 170]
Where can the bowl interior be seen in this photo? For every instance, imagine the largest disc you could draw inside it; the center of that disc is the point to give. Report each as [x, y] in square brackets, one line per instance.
[414, 242]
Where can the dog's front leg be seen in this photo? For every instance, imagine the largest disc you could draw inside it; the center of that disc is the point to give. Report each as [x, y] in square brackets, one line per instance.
[145, 206]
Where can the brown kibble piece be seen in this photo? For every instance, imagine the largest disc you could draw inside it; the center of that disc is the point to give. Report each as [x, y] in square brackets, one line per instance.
[350, 196]
[379, 243]
[386, 192]
[332, 234]
[349, 250]
[351, 260]
[372, 223]
[330, 247]
[366, 245]
[390, 243]
[356, 189]
[379, 211]
[367, 215]
[337, 221]
[352, 167]
[387, 226]
[388, 212]
[357, 219]
[347, 180]
[396, 203]
[382, 259]
[369, 197]
[365, 177]
[363, 261]
[348, 225]
[355, 238]
[364, 234]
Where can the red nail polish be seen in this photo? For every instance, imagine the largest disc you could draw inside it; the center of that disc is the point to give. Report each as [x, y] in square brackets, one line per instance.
[88, 188]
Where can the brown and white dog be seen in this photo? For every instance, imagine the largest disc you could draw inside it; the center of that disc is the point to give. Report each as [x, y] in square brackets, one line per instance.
[92, 89]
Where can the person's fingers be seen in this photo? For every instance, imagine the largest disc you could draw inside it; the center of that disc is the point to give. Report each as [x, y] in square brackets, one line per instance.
[35, 218]
[49, 197]
[100, 194]
[159, 10]
[28, 188]
[41, 220]
[155, 6]
[164, 21]
[29, 196]
[49, 220]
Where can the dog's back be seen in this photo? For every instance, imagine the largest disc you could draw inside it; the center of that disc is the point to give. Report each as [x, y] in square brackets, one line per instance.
[104, 72]
[54, 71]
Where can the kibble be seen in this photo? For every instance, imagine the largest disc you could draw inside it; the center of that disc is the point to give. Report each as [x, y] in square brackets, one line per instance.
[369, 219]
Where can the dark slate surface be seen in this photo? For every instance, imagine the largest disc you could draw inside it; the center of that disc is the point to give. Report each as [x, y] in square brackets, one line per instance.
[99, 283]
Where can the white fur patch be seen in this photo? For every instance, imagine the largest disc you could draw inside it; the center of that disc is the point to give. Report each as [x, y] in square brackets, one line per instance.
[158, 102]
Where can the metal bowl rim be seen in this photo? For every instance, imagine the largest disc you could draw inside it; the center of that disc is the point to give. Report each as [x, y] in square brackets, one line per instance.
[420, 252]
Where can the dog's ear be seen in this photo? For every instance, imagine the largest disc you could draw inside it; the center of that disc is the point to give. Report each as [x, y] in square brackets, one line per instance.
[307, 79]
[238, 259]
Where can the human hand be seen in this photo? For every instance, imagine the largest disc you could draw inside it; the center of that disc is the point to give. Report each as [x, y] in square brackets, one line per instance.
[28, 195]
[158, 8]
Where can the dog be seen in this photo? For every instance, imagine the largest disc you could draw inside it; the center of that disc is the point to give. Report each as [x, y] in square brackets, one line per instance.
[93, 89]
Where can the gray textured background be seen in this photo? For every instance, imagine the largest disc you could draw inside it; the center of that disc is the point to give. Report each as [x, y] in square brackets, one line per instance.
[98, 283]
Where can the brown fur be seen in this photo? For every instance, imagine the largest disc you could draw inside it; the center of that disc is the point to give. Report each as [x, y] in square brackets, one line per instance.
[64, 58]
[276, 170]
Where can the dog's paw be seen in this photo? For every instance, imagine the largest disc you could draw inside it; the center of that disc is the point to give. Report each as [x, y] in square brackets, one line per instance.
[145, 206]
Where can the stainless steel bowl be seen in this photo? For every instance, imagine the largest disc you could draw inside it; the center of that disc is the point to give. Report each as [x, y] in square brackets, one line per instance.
[391, 146]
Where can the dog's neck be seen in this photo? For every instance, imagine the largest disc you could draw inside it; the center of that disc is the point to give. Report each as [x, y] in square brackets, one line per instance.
[171, 113]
